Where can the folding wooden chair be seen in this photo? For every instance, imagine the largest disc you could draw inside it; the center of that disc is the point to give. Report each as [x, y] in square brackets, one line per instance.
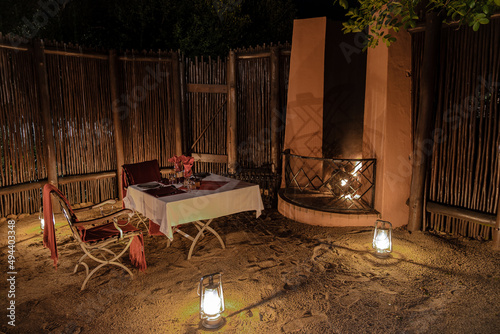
[96, 237]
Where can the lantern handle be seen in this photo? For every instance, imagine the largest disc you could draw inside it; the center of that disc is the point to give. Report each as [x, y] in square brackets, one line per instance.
[383, 222]
[211, 276]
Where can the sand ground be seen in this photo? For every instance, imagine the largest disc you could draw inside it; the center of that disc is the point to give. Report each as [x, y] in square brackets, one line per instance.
[279, 276]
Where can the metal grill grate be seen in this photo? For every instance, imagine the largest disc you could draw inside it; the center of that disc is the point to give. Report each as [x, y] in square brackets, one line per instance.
[345, 185]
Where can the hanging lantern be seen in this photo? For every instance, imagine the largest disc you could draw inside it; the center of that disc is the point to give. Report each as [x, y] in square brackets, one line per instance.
[382, 238]
[211, 301]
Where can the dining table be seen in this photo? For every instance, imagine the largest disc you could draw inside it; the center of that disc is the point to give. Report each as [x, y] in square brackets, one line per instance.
[171, 205]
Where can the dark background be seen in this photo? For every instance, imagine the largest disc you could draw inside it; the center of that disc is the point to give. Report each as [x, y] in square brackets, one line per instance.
[196, 27]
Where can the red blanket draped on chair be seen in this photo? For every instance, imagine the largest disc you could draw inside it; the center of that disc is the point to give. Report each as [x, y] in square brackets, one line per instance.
[98, 233]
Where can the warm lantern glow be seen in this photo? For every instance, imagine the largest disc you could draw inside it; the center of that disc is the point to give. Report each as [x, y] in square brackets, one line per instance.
[42, 221]
[356, 169]
[382, 238]
[211, 301]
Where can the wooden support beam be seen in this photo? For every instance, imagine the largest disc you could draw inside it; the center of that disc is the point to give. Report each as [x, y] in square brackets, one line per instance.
[117, 124]
[461, 213]
[177, 103]
[13, 47]
[207, 88]
[425, 120]
[253, 55]
[496, 229]
[275, 114]
[184, 113]
[88, 177]
[150, 59]
[214, 158]
[75, 54]
[62, 180]
[22, 187]
[232, 145]
[44, 98]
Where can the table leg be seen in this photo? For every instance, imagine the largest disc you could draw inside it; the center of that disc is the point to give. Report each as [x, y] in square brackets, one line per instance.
[200, 233]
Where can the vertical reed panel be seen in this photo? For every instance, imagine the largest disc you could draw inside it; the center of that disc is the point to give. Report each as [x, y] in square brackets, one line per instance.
[464, 166]
[254, 113]
[80, 101]
[203, 108]
[147, 110]
[21, 131]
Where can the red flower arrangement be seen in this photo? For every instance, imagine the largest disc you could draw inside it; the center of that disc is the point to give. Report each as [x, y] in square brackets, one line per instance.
[183, 163]
[177, 163]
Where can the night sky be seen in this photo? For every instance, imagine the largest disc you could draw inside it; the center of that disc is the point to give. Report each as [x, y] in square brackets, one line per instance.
[194, 26]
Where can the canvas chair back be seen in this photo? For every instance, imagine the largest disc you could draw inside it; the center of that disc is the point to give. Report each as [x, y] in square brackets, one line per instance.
[142, 172]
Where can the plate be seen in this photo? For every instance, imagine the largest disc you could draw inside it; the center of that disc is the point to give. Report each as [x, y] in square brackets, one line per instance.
[148, 185]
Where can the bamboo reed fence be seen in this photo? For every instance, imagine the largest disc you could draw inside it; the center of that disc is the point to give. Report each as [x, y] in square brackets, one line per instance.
[206, 112]
[82, 120]
[100, 110]
[462, 183]
[147, 110]
[21, 131]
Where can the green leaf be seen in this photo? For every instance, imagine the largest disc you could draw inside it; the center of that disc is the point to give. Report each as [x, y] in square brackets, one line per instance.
[486, 9]
[484, 21]
[475, 27]
[344, 4]
[497, 2]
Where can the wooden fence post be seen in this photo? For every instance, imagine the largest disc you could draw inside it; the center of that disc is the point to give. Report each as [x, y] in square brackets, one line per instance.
[275, 117]
[177, 103]
[113, 82]
[43, 93]
[496, 229]
[232, 144]
[184, 116]
[425, 120]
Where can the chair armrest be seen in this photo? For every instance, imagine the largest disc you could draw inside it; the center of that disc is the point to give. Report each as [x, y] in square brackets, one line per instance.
[109, 201]
[105, 219]
[96, 206]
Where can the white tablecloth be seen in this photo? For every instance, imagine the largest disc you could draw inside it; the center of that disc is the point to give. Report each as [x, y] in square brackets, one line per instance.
[233, 197]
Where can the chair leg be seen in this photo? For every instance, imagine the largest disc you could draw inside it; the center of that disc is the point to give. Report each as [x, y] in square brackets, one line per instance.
[80, 261]
[141, 221]
[100, 266]
[113, 261]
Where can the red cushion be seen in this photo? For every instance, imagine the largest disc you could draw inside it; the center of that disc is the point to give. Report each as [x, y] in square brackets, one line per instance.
[142, 172]
[105, 231]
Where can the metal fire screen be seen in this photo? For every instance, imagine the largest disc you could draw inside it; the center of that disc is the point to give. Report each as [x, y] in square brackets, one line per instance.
[336, 185]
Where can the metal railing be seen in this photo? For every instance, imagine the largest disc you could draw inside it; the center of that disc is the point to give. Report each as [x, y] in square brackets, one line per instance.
[336, 185]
